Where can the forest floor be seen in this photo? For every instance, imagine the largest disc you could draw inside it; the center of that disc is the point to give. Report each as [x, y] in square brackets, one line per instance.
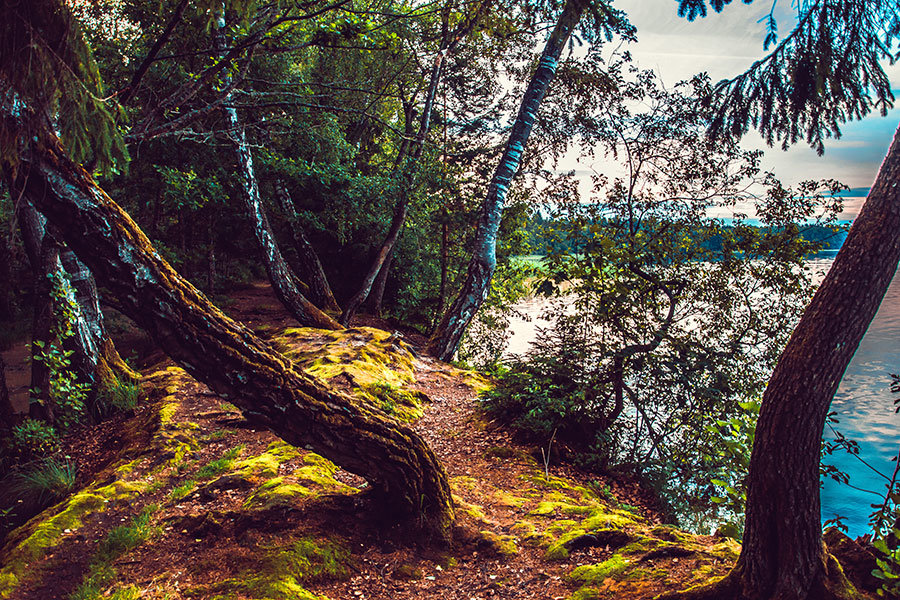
[184, 499]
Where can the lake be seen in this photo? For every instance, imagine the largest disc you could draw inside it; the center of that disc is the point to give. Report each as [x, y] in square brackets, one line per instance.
[863, 403]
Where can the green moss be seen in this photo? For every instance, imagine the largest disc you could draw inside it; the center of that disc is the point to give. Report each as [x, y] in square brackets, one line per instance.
[557, 550]
[408, 572]
[182, 490]
[474, 511]
[504, 545]
[276, 492]
[586, 593]
[266, 464]
[282, 573]
[46, 531]
[600, 518]
[524, 529]
[505, 499]
[595, 574]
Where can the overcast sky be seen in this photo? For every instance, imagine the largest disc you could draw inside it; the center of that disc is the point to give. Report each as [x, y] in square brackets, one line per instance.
[725, 45]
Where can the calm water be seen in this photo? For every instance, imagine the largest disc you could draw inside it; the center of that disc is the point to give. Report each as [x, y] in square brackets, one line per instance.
[863, 402]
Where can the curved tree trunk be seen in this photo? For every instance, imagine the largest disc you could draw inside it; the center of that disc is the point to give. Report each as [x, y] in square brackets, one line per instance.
[404, 473]
[446, 338]
[311, 270]
[284, 283]
[783, 555]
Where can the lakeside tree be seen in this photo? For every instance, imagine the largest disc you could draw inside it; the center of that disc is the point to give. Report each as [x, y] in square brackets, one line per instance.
[664, 319]
[826, 71]
[606, 21]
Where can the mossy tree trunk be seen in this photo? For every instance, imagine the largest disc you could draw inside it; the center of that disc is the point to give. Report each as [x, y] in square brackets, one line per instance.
[783, 556]
[403, 472]
[94, 358]
[447, 336]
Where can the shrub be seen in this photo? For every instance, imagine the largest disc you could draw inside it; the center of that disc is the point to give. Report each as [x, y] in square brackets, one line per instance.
[33, 438]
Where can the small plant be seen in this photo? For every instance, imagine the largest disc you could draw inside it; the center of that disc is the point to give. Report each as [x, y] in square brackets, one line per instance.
[221, 465]
[34, 438]
[888, 569]
[45, 482]
[126, 537]
[118, 396]
[101, 574]
[66, 393]
[182, 490]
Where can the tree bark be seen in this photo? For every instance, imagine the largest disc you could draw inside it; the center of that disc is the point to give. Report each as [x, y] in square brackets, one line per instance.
[446, 338]
[403, 472]
[284, 283]
[311, 271]
[7, 414]
[39, 404]
[376, 297]
[783, 555]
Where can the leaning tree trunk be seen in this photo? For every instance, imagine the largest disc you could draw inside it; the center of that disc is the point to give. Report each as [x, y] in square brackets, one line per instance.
[284, 283]
[271, 392]
[446, 338]
[782, 555]
[311, 270]
[376, 296]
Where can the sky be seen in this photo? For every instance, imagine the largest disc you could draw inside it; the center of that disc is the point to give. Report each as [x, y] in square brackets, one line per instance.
[724, 45]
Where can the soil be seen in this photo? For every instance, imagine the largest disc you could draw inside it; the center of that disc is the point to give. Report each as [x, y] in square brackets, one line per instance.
[209, 538]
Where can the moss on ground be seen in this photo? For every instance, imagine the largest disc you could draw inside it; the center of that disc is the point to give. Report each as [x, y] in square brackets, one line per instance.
[284, 570]
[378, 364]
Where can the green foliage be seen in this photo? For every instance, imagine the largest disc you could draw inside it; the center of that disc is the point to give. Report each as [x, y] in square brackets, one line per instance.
[66, 394]
[34, 438]
[816, 78]
[62, 81]
[119, 395]
[42, 483]
[729, 452]
[666, 318]
[888, 570]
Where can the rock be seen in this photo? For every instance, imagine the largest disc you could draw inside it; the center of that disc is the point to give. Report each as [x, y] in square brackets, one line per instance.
[856, 559]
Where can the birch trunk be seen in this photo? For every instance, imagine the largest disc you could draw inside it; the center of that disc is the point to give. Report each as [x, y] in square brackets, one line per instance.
[390, 240]
[311, 270]
[284, 283]
[446, 338]
[404, 473]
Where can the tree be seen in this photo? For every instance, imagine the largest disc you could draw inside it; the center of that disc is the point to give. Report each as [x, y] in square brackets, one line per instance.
[818, 76]
[282, 277]
[665, 320]
[404, 473]
[7, 413]
[448, 334]
[448, 42]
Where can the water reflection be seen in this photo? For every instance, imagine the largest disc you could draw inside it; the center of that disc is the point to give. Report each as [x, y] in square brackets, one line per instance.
[863, 403]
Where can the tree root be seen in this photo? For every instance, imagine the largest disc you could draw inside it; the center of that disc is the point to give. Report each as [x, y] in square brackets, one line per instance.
[833, 585]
